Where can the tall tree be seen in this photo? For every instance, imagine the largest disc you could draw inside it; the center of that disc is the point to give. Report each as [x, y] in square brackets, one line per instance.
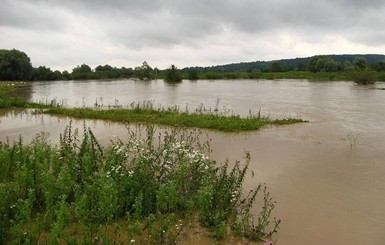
[276, 66]
[144, 72]
[193, 75]
[323, 63]
[43, 73]
[173, 74]
[14, 65]
[82, 72]
[379, 66]
[360, 63]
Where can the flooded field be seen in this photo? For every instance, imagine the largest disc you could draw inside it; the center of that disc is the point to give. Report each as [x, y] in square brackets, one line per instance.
[326, 175]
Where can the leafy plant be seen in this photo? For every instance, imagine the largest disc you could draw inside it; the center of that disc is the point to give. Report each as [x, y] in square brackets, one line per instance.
[364, 77]
[81, 192]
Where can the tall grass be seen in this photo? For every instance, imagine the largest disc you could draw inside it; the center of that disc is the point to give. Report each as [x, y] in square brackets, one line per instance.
[174, 117]
[142, 187]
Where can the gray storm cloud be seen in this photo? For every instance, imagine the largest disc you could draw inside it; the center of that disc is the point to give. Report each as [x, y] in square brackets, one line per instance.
[105, 27]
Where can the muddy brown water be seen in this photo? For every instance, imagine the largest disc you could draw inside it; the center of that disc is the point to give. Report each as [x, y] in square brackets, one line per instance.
[328, 175]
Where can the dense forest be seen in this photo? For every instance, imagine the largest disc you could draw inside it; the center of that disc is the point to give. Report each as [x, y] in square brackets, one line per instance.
[296, 64]
[16, 65]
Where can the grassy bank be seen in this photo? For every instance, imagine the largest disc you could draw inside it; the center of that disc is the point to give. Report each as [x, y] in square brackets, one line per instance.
[146, 113]
[173, 117]
[144, 189]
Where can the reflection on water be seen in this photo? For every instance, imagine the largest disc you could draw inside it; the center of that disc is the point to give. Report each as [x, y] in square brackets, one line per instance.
[327, 175]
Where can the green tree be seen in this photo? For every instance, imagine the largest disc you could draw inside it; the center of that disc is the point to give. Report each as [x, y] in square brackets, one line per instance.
[192, 75]
[360, 63]
[276, 66]
[105, 68]
[82, 72]
[14, 65]
[103, 72]
[323, 63]
[144, 72]
[301, 66]
[66, 75]
[379, 66]
[126, 72]
[173, 74]
[348, 66]
[58, 75]
[43, 73]
[364, 77]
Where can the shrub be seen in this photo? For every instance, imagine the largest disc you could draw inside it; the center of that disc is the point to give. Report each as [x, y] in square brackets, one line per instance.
[80, 190]
[364, 77]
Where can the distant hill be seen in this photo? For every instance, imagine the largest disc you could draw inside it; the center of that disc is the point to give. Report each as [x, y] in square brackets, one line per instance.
[288, 64]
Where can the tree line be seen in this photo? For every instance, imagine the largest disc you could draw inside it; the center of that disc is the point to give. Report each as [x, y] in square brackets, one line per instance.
[16, 65]
[284, 65]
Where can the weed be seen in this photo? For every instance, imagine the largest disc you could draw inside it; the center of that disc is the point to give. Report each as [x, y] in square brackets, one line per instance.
[80, 192]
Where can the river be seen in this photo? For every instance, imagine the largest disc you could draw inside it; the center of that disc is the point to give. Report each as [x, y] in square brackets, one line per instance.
[326, 175]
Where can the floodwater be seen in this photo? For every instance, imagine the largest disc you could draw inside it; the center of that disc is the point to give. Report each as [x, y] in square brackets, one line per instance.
[327, 176]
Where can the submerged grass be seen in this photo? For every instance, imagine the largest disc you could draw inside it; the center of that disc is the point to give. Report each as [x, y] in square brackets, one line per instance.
[173, 117]
[11, 95]
[142, 189]
[146, 113]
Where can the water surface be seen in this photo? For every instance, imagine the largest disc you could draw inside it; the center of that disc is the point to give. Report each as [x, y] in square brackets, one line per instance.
[326, 175]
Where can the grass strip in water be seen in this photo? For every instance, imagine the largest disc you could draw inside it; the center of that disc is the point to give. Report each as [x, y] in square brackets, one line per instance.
[14, 94]
[172, 117]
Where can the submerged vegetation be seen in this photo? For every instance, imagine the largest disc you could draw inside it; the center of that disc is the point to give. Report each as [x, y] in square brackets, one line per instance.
[173, 117]
[146, 113]
[150, 188]
[13, 95]
[364, 77]
[145, 188]
[173, 75]
[9, 95]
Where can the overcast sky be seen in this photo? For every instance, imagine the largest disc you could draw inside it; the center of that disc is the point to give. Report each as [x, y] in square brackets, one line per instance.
[62, 34]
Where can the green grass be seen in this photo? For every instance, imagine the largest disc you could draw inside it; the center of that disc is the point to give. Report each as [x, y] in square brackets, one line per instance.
[13, 95]
[144, 188]
[172, 117]
[146, 113]
[10, 96]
